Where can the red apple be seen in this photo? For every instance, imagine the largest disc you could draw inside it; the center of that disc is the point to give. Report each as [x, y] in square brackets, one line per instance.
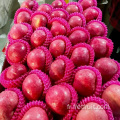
[107, 67]
[95, 29]
[8, 103]
[15, 71]
[18, 31]
[57, 98]
[35, 113]
[78, 36]
[57, 47]
[17, 52]
[112, 96]
[91, 112]
[38, 38]
[87, 3]
[36, 59]
[58, 13]
[57, 4]
[39, 21]
[57, 70]
[32, 87]
[28, 4]
[45, 8]
[23, 17]
[100, 47]
[80, 56]
[72, 8]
[90, 14]
[55, 31]
[85, 82]
[75, 21]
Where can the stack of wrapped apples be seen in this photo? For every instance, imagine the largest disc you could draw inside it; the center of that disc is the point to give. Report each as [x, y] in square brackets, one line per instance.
[59, 64]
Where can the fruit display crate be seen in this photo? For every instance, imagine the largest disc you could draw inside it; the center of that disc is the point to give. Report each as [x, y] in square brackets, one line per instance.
[57, 64]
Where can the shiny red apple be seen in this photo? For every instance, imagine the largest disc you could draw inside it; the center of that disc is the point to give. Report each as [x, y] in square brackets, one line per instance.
[16, 52]
[85, 82]
[57, 4]
[28, 4]
[58, 13]
[15, 71]
[75, 21]
[36, 59]
[23, 17]
[72, 8]
[95, 29]
[39, 21]
[112, 95]
[8, 103]
[100, 47]
[57, 47]
[35, 113]
[18, 31]
[80, 56]
[32, 87]
[87, 3]
[57, 70]
[90, 111]
[44, 7]
[78, 36]
[55, 31]
[107, 67]
[57, 98]
[38, 38]
[90, 14]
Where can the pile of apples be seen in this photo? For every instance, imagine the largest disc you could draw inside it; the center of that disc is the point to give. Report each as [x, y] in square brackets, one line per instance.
[59, 64]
